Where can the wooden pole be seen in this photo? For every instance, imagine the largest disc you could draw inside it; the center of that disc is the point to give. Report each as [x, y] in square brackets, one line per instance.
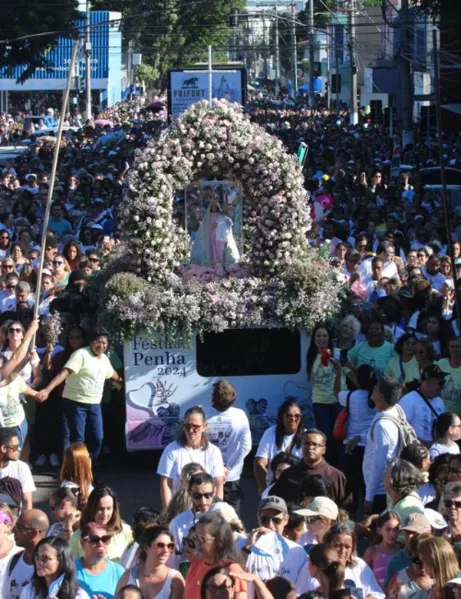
[65, 100]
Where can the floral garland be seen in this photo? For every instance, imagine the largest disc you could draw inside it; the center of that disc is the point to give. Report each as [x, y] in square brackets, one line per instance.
[281, 282]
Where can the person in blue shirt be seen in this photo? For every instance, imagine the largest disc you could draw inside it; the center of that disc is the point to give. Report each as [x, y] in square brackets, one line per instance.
[57, 223]
[96, 574]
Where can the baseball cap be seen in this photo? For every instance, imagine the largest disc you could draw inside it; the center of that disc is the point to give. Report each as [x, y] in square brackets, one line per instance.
[5, 497]
[435, 519]
[272, 502]
[458, 262]
[417, 523]
[320, 506]
[404, 292]
[433, 372]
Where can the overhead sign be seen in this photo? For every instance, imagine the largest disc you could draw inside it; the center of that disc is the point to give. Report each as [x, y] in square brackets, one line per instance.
[188, 86]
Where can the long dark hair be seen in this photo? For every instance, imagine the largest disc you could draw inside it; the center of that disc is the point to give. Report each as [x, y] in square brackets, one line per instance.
[225, 550]
[312, 351]
[443, 423]
[88, 515]
[149, 535]
[69, 586]
[367, 380]
[280, 427]
[210, 574]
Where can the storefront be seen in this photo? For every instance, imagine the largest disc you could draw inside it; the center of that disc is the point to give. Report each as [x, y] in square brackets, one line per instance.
[44, 89]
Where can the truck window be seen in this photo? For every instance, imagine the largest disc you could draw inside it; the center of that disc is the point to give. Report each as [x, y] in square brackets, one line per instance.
[249, 352]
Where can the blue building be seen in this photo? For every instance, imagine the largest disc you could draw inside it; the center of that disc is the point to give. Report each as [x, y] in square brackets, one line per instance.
[44, 89]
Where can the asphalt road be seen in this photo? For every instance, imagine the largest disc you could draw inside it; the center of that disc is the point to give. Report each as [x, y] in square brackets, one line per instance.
[134, 479]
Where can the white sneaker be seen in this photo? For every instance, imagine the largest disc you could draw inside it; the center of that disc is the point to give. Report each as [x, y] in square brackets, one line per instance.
[41, 460]
[54, 460]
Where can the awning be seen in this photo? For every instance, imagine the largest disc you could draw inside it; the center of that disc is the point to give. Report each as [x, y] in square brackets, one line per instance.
[453, 107]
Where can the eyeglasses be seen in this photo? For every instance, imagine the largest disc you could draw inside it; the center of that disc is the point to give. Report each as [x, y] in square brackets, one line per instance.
[169, 546]
[312, 444]
[14, 330]
[94, 259]
[22, 528]
[417, 561]
[5, 237]
[192, 427]
[296, 417]
[219, 590]
[7, 266]
[448, 503]
[189, 543]
[43, 558]
[197, 496]
[266, 520]
[57, 262]
[13, 447]
[95, 540]
[202, 538]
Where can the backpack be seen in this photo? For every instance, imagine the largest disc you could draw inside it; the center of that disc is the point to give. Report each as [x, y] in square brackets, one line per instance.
[407, 434]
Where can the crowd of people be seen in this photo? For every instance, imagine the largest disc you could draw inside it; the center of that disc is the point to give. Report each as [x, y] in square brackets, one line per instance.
[367, 504]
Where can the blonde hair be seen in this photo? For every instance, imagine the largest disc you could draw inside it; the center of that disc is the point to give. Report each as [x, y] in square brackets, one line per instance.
[181, 501]
[76, 468]
[439, 554]
[9, 512]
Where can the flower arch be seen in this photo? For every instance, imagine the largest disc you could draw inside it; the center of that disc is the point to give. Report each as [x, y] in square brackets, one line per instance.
[282, 282]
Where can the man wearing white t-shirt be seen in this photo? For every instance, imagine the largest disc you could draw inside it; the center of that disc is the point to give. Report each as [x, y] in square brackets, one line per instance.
[11, 466]
[269, 553]
[229, 429]
[201, 490]
[423, 406]
[29, 530]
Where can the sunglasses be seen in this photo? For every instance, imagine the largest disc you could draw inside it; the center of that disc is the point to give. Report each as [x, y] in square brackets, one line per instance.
[57, 262]
[296, 417]
[189, 543]
[43, 558]
[312, 519]
[14, 330]
[192, 427]
[448, 503]
[202, 538]
[197, 496]
[7, 266]
[95, 540]
[94, 260]
[219, 590]
[266, 520]
[21, 528]
[163, 546]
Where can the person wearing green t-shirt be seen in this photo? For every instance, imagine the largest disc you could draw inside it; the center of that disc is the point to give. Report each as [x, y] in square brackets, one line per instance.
[451, 392]
[404, 367]
[374, 351]
[84, 375]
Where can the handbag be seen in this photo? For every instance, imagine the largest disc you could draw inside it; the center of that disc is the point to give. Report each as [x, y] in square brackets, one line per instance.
[342, 421]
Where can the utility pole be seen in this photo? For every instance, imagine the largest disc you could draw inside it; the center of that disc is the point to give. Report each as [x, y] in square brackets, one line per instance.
[406, 75]
[310, 35]
[295, 51]
[353, 66]
[328, 83]
[277, 52]
[89, 111]
[264, 45]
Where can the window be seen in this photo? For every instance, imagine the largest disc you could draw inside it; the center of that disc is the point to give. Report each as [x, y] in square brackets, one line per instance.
[249, 352]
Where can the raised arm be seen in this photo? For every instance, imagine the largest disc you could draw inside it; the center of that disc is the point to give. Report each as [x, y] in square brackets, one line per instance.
[20, 354]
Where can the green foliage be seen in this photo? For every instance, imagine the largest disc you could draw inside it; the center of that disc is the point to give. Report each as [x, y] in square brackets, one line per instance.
[25, 19]
[174, 33]
[433, 7]
[147, 74]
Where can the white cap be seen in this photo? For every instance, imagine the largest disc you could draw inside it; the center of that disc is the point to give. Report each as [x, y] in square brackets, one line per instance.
[320, 506]
[225, 510]
[435, 519]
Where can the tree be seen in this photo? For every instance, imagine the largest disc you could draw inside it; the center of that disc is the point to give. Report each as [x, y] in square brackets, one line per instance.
[21, 24]
[174, 33]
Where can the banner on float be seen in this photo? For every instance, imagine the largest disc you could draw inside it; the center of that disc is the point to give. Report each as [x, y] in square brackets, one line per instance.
[188, 86]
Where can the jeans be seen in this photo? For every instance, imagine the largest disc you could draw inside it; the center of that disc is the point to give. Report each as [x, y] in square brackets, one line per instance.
[21, 432]
[85, 425]
[325, 418]
[233, 494]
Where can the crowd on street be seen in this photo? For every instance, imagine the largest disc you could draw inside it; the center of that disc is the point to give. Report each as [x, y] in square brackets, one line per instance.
[366, 503]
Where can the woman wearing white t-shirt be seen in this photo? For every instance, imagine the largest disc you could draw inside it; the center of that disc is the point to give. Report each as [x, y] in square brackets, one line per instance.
[7, 546]
[192, 446]
[361, 414]
[447, 430]
[283, 436]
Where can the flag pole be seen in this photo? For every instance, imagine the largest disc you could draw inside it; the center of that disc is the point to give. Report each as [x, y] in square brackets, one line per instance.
[65, 100]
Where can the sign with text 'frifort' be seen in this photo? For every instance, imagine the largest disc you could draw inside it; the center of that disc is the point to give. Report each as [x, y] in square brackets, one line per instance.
[188, 86]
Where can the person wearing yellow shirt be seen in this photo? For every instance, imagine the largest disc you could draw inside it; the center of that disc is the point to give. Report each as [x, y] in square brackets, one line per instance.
[404, 367]
[451, 392]
[84, 375]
